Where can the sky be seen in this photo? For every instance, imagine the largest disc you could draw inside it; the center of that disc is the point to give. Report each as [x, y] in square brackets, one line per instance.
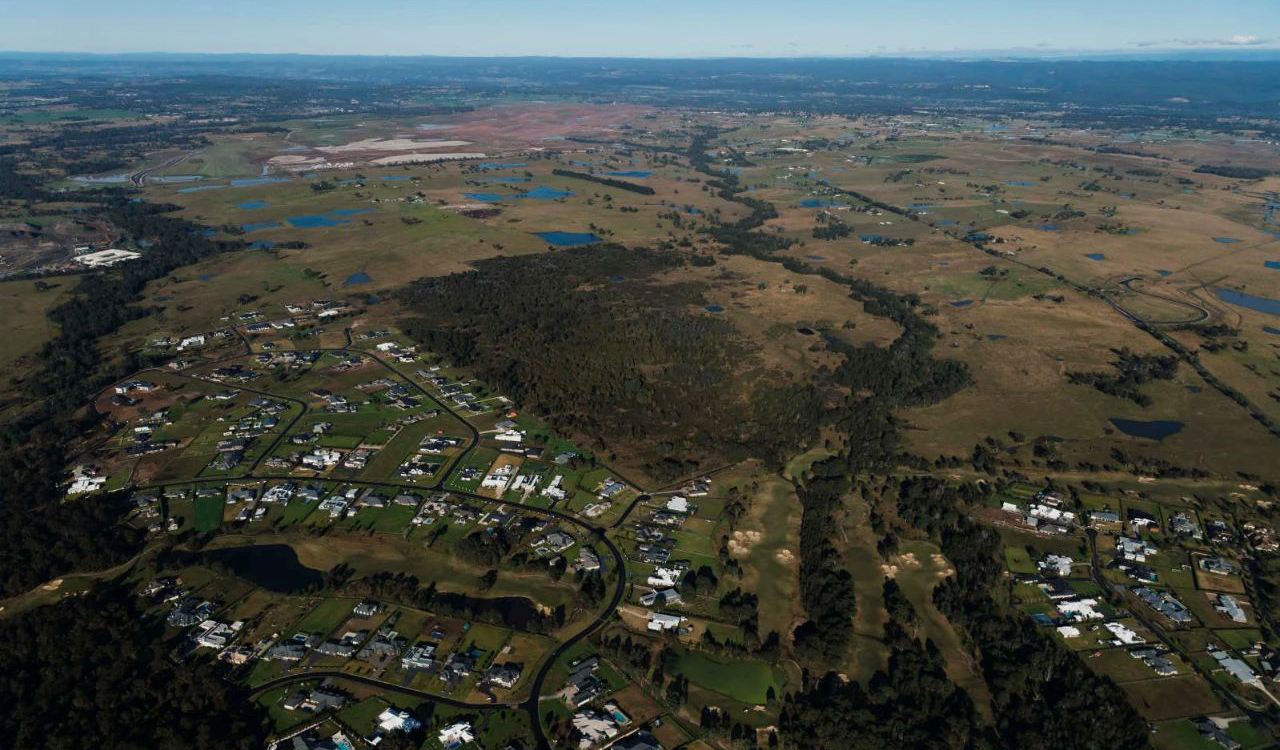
[637, 28]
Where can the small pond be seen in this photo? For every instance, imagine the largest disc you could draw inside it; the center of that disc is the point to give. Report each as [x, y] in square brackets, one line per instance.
[1257, 304]
[1157, 429]
[568, 239]
[251, 205]
[1095, 256]
[274, 567]
[484, 197]
[359, 277]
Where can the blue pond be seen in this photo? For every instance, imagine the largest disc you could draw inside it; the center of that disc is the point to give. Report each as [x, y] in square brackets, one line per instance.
[485, 197]
[581, 163]
[251, 181]
[252, 205]
[260, 225]
[1020, 183]
[919, 206]
[496, 165]
[1157, 429]
[1240, 299]
[207, 276]
[996, 337]
[395, 177]
[568, 239]
[198, 188]
[871, 237]
[1048, 227]
[357, 278]
[1272, 264]
[977, 237]
[1095, 256]
[945, 222]
[351, 211]
[314, 221]
[1226, 240]
[961, 302]
[544, 193]
[630, 174]
[508, 179]
[1272, 331]
[1163, 272]
[714, 309]
[815, 203]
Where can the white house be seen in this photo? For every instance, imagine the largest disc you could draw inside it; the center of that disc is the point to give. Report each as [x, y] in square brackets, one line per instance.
[456, 735]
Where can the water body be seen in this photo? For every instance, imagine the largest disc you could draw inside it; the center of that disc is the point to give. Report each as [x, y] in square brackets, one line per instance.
[179, 178]
[1158, 429]
[569, 239]
[496, 165]
[1163, 272]
[617, 279]
[484, 197]
[919, 206]
[1272, 331]
[314, 221]
[977, 237]
[805, 331]
[350, 211]
[871, 237]
[1272, 264]
[815, 257]
[1257, 304]
[714, 309]
[815, 203]
[358, 278]
[260, 225]
[262, 245]
[1193, 389]
[1226, 240]
[395, 177]
[996, 337]
[251, 205]
[961, 302]
[636, 174]
[1020, 183]
[207, 276]
[1095, 256]
[111, 179]
[274, 567]
[581, 163]
[508, 179]
[1048, 227]
[432, 126]
[198, 188]
[253, 181]
[945, 222]
[544, 193]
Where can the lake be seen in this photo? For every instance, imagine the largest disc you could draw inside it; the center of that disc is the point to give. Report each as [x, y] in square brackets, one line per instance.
[805, 331]
[262, 245]
[1272, 331]
[251, 205]
[485, 197]
[996, 337]
[945, 222]
[274, 567]
[1257, 304]
[872, 237]
[569, 239]
[1158, 429]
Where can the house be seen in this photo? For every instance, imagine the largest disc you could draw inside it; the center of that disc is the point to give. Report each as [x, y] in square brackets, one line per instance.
[394, 720]
[1123, 633]
[610, 488]
[1103, 518]
[1057, 564]
[324, 698]
[659, 622]
[582, 686]
[638, 741]
[1209, 730]
[594, 726]
[664, 578]
[588, 560]
[1182, 525]
[504, 675]
[456, 735]
[662, 598]
[1081, 609]
[1218, 565]
[1227, 605]
[1235, 667]
[418, 657]
[1139, 519]
[1164, 603]
[557, 541]
[1134, 550]
[1056, 588]
[678, 504]
[1154, 659]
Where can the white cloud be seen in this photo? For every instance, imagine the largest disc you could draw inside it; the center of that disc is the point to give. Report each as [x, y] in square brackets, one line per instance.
[1236, 40]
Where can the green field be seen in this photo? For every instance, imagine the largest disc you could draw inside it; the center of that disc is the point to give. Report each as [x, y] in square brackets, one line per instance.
[209, 513]
[748, 680]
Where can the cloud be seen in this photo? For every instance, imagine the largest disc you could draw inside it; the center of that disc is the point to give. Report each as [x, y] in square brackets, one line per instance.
[1236, 40]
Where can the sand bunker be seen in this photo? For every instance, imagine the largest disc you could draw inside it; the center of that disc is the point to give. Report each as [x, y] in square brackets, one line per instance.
[741, 542]
[785, 556]
[390, 144]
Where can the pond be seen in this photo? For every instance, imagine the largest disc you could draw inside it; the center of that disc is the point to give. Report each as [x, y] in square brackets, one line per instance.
[961, 302]
[815, 203]
[314, 221]
[262, 245]
[1163, 272]
[569, 239]
[1272, 331]
[714, 309]
[1240, 299]
[1095, 256]
[485, 197]
[1272, 264]
[1226, 240]
[274, 567]
[815, 257]
[260, 225]
[251, 205]
[872, 237]
[358, 278]
[351, 211]
[544, 193]
[1020, 183]
[1047, 227]
[508, 179]
[1157, 429]
[945, 222]
[996, 337]
[496, 165]
[920, 206]
[395, 177]
[252, 181]
[632, 173]
[805, 331]
[198, 188]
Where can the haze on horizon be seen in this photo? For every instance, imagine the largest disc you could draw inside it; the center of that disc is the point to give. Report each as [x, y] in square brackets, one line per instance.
[660, 28]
